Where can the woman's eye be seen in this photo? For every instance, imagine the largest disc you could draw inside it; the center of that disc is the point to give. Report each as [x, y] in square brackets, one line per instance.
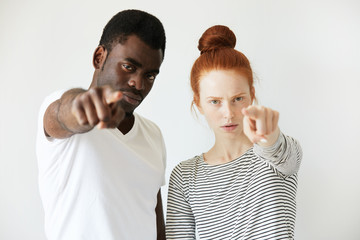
[238, 99]
[214, 101]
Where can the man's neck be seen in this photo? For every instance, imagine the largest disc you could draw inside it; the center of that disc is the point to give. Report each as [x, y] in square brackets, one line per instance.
[126, 125]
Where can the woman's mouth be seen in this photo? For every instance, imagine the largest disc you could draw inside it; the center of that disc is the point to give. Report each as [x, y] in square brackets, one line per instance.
[229, 127]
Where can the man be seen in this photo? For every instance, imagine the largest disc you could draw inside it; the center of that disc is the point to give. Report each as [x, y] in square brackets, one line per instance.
[101, 165]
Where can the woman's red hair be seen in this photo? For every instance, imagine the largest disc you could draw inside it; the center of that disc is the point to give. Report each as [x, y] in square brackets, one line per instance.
[217, 52]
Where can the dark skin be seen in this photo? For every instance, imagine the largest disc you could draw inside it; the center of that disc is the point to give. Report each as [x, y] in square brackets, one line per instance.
[122, 78]
[160, 223]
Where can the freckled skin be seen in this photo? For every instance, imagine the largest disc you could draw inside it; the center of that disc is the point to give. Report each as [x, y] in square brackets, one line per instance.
[225, 100]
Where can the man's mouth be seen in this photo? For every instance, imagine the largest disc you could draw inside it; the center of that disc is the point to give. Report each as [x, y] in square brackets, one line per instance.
[132, 98]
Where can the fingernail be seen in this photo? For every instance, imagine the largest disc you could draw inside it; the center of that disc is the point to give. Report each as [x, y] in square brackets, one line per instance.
[263, 140]
[100, 125]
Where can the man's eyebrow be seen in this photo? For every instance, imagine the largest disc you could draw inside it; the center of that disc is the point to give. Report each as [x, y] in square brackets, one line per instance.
[137, 64]
[133, 61]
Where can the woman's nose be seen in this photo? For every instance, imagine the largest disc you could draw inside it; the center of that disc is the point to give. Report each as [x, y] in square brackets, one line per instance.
[228, 111]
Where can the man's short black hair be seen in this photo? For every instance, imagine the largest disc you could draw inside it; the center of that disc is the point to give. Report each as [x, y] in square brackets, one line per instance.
[142, 24]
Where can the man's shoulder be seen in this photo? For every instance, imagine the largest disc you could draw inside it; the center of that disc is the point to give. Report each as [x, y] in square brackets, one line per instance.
[147, 123]
[54, 95]
[48, 99]
[142, 118]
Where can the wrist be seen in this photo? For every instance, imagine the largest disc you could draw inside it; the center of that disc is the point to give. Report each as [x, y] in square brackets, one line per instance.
[64, 114]
[270, 139]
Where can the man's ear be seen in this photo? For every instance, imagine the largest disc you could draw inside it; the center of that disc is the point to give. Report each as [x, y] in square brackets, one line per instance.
[99, 57]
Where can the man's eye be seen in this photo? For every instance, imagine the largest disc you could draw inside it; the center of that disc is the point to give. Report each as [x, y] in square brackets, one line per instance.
[128, 67]
[151, 77]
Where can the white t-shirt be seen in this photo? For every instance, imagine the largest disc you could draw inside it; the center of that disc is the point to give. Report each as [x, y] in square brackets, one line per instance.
[101, 184]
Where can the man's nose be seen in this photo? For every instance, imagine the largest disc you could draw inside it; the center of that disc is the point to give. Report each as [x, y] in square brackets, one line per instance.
[136, 82]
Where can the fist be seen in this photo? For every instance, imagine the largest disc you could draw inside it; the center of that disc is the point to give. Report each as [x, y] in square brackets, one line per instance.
[98, 106]
[261, 124]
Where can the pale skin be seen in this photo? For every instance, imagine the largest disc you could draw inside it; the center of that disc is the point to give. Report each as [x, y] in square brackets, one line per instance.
[225, 100]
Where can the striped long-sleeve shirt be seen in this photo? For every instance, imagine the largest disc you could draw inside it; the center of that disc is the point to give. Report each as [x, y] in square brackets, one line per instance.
[251, 197]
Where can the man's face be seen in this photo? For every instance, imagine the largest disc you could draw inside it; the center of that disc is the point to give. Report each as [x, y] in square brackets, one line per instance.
[130, 67]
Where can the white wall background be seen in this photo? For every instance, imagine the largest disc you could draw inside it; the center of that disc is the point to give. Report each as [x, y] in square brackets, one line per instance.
[306, 56]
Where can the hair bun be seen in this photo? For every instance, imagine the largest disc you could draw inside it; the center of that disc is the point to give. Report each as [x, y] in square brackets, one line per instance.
[216, 37]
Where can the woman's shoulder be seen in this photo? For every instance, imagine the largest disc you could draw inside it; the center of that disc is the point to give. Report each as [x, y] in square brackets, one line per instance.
[189, 165]
[185, 172]
[191, 162]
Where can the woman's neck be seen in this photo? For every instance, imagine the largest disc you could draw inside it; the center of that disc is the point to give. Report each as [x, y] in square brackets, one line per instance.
[227, 149]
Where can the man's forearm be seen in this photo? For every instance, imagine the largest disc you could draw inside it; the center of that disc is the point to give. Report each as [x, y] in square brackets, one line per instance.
[58, 119]
[160, 222]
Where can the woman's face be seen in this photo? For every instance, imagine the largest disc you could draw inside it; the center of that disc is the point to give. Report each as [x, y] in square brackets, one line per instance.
[223, 93]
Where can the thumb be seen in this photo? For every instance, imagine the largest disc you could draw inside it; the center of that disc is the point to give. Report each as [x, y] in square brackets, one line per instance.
[112, 96]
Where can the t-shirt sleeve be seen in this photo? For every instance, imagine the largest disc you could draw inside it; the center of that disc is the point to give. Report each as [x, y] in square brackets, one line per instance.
[285, 155]
[164, 158]
[45, 144]
[180, 222]
[45, 104]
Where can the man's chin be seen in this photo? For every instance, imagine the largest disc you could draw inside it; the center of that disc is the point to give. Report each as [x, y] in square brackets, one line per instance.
[129, 114]
[128, 108]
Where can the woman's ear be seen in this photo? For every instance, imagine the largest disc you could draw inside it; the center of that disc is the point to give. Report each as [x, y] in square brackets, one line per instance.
[196, 102]
[200, 109]
[252, 93]
[99, 57]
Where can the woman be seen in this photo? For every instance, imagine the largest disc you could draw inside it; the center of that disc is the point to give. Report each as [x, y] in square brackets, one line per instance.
[244, 187]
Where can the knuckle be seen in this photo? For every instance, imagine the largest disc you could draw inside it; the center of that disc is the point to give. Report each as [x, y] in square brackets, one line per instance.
[104, 116]
[93, 121]
[261, 108]
[77, 101]
[276, 113]
[95, 91]
[264, 110]
[81, 118]
[81, 100]
[77, 111]
[83, 121]
[76, 106]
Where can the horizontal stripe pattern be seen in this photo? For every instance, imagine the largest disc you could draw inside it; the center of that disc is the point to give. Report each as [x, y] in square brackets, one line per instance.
[251, 197]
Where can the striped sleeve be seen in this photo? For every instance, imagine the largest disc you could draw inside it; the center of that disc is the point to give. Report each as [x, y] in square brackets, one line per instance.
[180, 222]
[285, 155]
